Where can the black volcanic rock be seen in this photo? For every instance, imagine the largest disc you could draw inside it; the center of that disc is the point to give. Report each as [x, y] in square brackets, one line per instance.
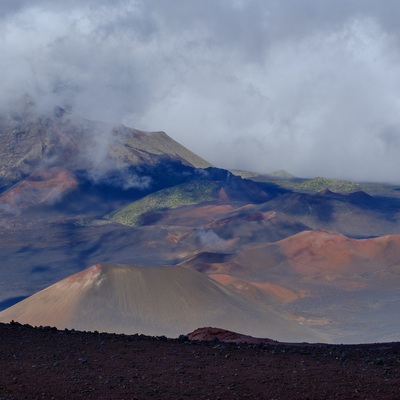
[48, 363]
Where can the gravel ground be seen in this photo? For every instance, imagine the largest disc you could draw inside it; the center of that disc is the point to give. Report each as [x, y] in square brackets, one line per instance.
[45, 363]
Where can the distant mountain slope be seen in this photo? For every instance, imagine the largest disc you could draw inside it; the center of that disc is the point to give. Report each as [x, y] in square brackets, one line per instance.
[208, 185]
[312, 257]
[29, 142]
[150, 147]
[42, 186]
[149, 300]
[355, 214]
[194, 192]
[346, 286]
[245, 226]
[248, 225]
[320, 183]
[99, 162]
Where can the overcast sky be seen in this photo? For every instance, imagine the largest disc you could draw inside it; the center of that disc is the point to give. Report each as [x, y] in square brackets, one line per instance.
[310, 86]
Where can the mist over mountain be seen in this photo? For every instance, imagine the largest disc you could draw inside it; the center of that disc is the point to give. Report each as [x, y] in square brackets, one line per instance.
[32, 141]
[55, 154]
[253, 85]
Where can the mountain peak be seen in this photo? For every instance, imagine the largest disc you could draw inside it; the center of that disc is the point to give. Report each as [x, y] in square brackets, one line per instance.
[30, 142]
[134, 299]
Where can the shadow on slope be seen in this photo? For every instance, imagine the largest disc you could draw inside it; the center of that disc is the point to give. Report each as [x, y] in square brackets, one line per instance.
[355, 214]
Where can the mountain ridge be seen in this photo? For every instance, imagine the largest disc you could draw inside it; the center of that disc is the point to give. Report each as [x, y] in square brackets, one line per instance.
[269, 245]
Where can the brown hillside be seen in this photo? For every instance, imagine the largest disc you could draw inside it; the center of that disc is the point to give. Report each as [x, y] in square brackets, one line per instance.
[150, 300]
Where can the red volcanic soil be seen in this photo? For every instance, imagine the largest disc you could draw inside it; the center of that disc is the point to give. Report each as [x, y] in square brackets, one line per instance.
[226, 336]
[42, 186]
[256, 290]
[324, 256]
[44, 363]
[330, 251]
[332, 245]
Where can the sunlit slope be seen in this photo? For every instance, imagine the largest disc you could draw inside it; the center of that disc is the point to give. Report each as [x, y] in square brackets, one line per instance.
[311, 257]
[150, 300]
[43, 186]
[194, 192]
[147, 147]
[345, 286]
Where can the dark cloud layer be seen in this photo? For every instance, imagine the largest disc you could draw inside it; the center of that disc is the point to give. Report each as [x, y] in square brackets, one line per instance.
[312, 86]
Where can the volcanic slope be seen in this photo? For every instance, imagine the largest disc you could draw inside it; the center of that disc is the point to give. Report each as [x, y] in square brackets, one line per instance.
[245, 226]
[107, 166]
[211, 185]
[43, 186]
[30, 141]
[356, 214]
[325, 256]
[45, 158]
[346, 286]
[185, 194]
[150, 300]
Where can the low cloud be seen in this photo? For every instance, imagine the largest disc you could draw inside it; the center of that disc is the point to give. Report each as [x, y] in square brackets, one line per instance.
[311, 87]
[209, 239]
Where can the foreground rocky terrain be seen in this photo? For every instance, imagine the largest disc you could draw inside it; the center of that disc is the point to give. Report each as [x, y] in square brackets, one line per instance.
[44, 363]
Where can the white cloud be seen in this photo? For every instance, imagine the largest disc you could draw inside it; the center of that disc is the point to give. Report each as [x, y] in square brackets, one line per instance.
[311, 86]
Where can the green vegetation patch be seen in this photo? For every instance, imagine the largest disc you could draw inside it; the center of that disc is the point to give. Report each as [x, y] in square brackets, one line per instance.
[335, 185]
[186, 194]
